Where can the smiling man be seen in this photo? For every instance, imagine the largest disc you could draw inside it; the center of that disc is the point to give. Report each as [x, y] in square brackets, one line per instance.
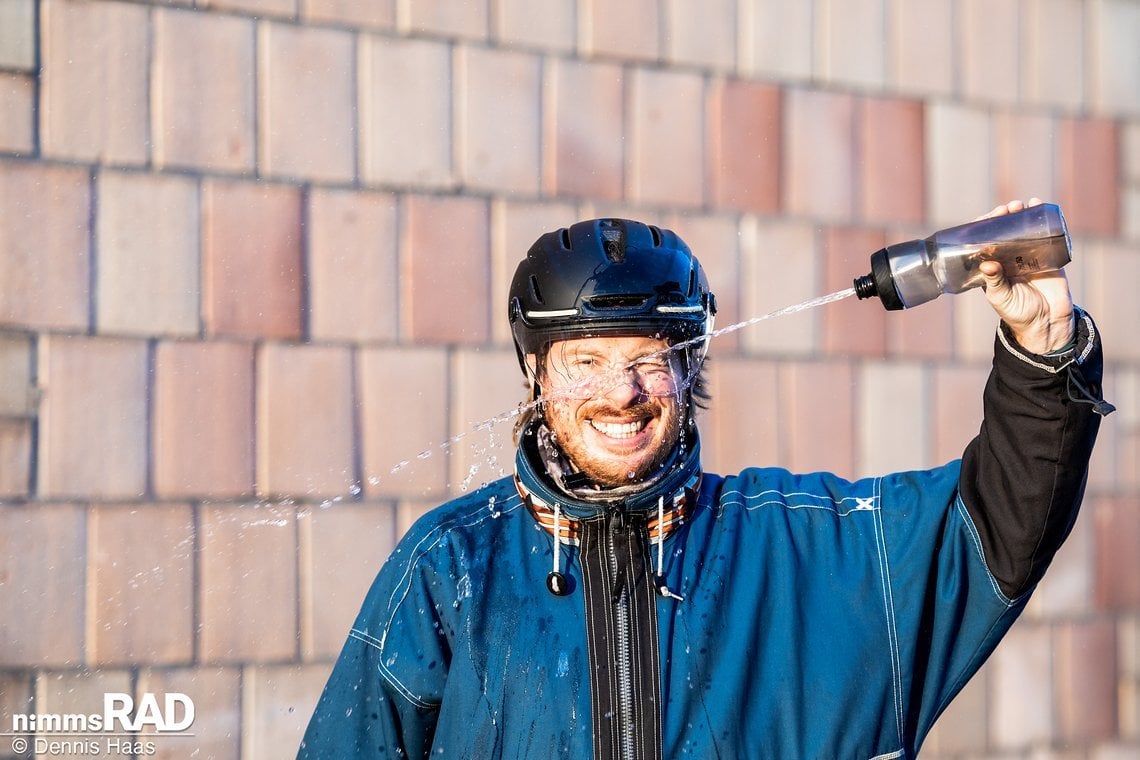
[612, 601]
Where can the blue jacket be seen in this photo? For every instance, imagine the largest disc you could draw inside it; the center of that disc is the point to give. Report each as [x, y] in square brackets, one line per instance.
[798, 616]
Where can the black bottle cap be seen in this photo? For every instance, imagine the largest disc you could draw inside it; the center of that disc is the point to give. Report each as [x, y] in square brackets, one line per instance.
[879, 282]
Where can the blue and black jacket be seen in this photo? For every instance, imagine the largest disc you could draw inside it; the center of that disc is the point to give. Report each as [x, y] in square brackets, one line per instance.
[761, 615]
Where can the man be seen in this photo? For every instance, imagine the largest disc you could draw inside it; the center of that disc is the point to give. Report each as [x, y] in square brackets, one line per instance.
[613, 601]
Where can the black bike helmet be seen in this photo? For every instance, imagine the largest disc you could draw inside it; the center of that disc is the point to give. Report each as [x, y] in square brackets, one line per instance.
[609, 277]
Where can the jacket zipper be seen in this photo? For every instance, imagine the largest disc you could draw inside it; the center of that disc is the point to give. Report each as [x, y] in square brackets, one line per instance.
[622, 646]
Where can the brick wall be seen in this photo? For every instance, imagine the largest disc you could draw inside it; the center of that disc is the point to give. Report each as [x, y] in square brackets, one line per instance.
[253, 256]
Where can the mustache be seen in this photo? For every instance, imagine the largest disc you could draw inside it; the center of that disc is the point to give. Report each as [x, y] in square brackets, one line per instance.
[641, 410]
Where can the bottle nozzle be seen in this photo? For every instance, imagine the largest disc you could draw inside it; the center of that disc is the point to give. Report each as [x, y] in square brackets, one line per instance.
[865, 286]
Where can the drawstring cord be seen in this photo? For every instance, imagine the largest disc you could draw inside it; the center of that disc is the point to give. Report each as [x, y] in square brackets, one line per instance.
[556, 581]
[659, 576]
[1085, 395]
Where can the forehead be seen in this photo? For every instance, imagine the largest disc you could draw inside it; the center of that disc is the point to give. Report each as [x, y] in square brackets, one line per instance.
[625, 347]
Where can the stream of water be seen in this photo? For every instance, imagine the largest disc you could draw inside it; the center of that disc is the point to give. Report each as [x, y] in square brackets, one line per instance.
[495, 442]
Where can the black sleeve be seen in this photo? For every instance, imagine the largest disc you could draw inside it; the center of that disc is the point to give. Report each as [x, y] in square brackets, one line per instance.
[1024, 475]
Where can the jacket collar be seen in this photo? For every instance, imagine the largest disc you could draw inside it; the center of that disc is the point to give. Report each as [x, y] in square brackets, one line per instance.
[533, 481]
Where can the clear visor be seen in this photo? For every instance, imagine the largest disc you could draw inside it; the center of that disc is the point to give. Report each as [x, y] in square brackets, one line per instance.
[582, 375]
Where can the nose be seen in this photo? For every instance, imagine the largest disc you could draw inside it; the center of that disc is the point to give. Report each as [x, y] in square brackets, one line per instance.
[625, 388]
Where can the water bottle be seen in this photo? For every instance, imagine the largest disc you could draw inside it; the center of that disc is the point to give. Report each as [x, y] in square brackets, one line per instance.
[1025, 242]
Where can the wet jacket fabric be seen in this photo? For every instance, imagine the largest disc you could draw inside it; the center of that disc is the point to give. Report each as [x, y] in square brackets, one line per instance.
[796, 616]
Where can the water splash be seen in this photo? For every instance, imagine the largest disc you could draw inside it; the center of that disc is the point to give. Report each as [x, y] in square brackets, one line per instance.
[484, 454]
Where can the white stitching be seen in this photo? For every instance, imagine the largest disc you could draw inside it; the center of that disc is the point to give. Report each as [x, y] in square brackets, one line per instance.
[972, 530]
[889, 610]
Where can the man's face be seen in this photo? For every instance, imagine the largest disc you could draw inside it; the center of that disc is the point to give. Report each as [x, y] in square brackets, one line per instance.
[614, 404]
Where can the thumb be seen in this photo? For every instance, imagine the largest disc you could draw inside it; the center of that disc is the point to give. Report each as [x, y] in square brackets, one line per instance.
[994, 280]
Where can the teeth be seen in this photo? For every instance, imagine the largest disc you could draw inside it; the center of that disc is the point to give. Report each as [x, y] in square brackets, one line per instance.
[619, 430]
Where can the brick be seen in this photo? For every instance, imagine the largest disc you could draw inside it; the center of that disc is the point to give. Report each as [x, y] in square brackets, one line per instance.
[92, 432]
[788, 251]
[853, 327]
[444, 296]
[1047, 78]
[45, 259]
[1086, 681]
[1121, 751]
[850, 42]
[779, 41]
[404, 421]
[203, 419]
[140, 578]
[666, 162]
[892, 155]
[548, 25]
[515, 226]
[745, 138]
[286, 8]
[252, 248]
[486, 388]
[1112, 271]
[1130, 210]
[79, 691]
[988, 53]
[407, 512]
[306, 121]
[1114, 72]
[1088, 174]
[819, 161]
[352, 265]
[304, 420]
[16, 698]
[1068, 591]
[247, 587]
[742, 434]
[1118, 553]
[217, 709]
[716, 242]
[204, 85]
[585, 136]
[701, 35]
[277, 702]
[376, 14]
[446, 18]
[1021, 688]
[962, 728]
[893, 424]
[817, 407]
[17, 394]
[975, 326]
[957, 406]
[1130, 138]
[624, 29]
[138, 292]
[15, 457]
[94, 81]
[41, 577]
[960, 184]
[346, 546]
[499, 112]
[417, 147]
[17, 101]
[1024, 155]
[926, 331]
[921, 58]
[18, 34]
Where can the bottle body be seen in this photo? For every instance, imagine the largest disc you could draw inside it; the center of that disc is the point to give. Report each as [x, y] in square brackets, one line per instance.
[907, 274]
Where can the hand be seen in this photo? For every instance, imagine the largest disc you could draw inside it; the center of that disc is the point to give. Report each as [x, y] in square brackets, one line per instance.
[1038, 308]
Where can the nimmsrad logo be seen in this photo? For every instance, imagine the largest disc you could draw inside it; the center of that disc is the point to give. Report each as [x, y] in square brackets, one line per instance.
[175, 712]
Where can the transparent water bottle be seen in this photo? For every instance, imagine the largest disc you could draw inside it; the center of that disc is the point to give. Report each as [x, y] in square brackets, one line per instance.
[911, 273]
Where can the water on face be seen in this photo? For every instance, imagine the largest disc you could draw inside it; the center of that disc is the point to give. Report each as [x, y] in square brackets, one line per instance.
[486, 444]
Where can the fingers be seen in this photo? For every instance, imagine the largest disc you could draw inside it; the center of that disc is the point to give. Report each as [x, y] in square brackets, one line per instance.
[1012, 207]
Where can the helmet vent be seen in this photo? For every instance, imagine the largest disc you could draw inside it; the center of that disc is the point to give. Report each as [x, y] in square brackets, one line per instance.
[657, 239]
[618, 302]
[534, 289]
[565, 235]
